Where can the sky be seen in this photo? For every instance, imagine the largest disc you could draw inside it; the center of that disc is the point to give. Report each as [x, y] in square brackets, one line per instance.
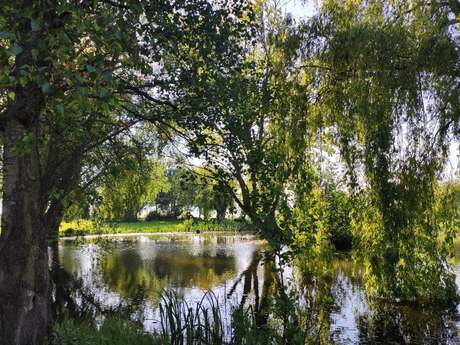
[301, 9]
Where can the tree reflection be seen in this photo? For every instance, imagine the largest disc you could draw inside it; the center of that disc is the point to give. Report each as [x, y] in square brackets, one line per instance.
[305, 308]
[71, 298]
[386, 323]
[309, 301]
[126, 272]
[294, 313]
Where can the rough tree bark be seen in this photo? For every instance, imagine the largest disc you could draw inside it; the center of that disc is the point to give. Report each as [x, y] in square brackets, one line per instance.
[24, 276]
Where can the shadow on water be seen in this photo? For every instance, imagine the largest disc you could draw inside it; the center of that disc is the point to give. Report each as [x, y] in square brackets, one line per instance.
[304, 303]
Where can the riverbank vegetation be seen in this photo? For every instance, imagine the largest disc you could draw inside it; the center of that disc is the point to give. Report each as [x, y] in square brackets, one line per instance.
[203, 324]
[325, 131]
[178, 326]
[88, 227]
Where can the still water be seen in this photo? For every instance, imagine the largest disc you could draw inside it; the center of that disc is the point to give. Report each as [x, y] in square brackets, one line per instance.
[131, 273]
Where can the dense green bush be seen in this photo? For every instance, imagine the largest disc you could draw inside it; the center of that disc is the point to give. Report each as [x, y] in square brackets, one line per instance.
[319, 218]
[155, 215]
[339, 219]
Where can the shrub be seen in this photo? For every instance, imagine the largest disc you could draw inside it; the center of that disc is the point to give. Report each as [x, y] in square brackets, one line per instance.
[154, 215]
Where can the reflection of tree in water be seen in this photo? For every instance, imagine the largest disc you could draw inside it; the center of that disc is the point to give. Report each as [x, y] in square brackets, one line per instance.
[388, 323]
[127, 272]
[72, 299]
[250, 280]
[300, 313]
[128, 275]
[320, 292]
[305, 311]
[279, 306]
[381, 323]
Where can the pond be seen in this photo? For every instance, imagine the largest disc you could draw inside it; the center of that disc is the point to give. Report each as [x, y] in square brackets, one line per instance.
[129, 274]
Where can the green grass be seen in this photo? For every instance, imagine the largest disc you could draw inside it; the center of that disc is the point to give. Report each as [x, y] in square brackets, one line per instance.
[89, 227]
[111, 332]
[457, 240]
[150, 226]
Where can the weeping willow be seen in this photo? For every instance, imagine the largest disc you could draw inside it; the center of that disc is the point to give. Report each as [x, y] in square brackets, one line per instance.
[390, 88]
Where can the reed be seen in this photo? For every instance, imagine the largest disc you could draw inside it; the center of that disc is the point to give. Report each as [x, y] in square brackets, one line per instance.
[180, 323]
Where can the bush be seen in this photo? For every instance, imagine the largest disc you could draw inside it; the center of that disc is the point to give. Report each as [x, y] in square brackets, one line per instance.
[339, 221]
[154, 215]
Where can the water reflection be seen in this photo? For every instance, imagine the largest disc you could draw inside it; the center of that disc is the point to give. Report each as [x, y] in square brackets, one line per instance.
[387, 324]
[128, 275]
[127, 271]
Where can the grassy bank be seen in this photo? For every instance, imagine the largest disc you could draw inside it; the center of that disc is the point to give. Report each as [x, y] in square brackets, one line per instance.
[111, 332]
[181, 324]
[89, 227]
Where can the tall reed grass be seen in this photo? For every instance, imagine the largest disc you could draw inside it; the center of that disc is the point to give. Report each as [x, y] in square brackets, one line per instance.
[181, 323]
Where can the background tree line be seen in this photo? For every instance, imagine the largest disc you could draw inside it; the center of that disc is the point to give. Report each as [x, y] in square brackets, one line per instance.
[147, 189]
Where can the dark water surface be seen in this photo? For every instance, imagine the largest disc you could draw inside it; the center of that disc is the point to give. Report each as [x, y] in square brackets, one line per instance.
[131, 273]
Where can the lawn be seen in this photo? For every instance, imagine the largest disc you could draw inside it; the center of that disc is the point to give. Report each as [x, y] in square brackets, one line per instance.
[89, 227]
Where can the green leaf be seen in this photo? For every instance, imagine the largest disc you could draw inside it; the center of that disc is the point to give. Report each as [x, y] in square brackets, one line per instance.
[6, 34]
[11, 95]
[107, 76]
[15, 49]
[34, 53]
[46, 87]
[60, 109]
[104, 93]
[23, 81]
[90, 68]
[35, 25]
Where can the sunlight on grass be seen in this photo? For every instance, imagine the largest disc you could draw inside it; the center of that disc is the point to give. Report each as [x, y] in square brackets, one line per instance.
[89, 227]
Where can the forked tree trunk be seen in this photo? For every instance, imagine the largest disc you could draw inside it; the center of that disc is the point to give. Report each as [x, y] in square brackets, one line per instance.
[24, 275]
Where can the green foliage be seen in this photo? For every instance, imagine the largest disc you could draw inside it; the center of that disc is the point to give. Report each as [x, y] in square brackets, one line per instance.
[222, 200]
[255, 128]
[391, 101]
[187, 224]
[202, 324]
[84, 227]
[249, 91]
[112, 332]
[182, 324]
[78, 76]
[79, 205]
[125, 193]
[91, 75]
[81, 227]
[306, 221]
[339, 207]
[179, 198]
[194, 188]
[211, 194]
[318, 218]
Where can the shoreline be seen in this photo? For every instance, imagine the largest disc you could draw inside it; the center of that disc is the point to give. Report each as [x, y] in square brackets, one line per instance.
[158, 233]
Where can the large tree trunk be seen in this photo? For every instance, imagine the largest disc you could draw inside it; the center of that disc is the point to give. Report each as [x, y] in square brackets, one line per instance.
[24, 273]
